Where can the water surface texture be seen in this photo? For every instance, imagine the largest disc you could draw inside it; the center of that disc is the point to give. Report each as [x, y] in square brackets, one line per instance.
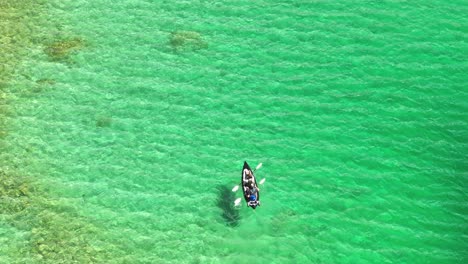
[125, 125]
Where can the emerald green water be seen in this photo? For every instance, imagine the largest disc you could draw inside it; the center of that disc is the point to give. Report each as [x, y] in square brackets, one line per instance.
[124, 126]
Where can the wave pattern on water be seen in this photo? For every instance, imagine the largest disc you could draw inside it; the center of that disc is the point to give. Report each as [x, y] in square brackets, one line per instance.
[357, 110]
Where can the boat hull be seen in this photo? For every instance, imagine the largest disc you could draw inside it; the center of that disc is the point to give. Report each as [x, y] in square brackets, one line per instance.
[245, 189]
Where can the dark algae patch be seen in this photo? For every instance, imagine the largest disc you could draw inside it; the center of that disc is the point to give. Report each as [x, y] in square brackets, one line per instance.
[103, 121]
[187, 41]
[45, 82]
[41, 85]
[61, 50]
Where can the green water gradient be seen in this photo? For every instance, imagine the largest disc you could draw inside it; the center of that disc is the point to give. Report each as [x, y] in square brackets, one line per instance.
[34, 227]
[131, 122]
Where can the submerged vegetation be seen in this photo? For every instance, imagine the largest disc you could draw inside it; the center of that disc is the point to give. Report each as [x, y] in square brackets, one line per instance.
[46, 229]
[280, 222]
[57, 234]
[103, 121]
[40, 85]
[14, 193]
[187, 41]
[62, 49]
[46, 82]
[3, 112]
[63, 238]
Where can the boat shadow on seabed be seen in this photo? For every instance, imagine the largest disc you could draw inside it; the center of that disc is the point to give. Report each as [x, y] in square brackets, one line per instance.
[229, 213]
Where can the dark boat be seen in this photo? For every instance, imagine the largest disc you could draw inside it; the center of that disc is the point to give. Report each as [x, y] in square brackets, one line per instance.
[250, 187]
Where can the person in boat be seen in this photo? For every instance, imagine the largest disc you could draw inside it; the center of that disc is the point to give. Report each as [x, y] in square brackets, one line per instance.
[253, 188]
[246, 189]
[248, 176]
[249, 180]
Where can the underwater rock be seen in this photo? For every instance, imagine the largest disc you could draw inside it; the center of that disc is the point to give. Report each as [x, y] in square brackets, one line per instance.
[187, 41]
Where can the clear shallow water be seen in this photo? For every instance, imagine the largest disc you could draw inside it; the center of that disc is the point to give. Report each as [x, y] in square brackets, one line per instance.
[127, 125]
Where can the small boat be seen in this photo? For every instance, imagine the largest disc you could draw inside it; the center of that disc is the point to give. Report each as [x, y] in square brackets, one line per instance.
[250, 187]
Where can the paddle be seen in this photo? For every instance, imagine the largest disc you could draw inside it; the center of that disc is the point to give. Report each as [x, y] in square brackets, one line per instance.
[259, 166]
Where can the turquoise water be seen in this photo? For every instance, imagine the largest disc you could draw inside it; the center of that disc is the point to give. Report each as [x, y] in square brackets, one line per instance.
[125, 126]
